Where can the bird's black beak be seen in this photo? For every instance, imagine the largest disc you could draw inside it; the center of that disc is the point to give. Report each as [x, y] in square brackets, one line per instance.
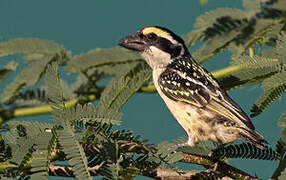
[134, 42]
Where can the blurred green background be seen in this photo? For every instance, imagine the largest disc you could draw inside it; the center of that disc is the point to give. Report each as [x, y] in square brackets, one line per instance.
[84, 25]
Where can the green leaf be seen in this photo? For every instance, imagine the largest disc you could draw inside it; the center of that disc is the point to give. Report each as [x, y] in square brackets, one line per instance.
[54, 89]
[28, 46]
[121, 88]
[280, 47]
[88, 113]
[283, 175]
[282, 120]
[244, 150]
[165, 155]
[28, 77]
[30, 97]
[202, 148]
[279, 4]
[192, 37]
[252, 6]
[281, 149]
[4, 72]
[214, 46]
[66, 136]
[273, 88]
[255, 66]
[74, 152]
[101, 57]
[41, 156]
[24, 135]
[209, 18]
[281, 167]
[39, 167]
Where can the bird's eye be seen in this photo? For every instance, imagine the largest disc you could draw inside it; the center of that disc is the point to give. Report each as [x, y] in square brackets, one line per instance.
[151, 36]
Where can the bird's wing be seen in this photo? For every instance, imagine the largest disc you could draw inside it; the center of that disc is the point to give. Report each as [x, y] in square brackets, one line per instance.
[197, 87]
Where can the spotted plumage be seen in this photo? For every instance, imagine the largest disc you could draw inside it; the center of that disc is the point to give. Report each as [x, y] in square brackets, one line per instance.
[191, 93]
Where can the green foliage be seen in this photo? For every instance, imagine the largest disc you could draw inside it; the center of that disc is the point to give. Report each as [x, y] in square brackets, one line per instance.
[86, 134]
[41, 52]
[101, 57]
[235, 29]
[87, 113]
[273, 88]
[30, 97]
[25, 135]
[25, 46]
[122, 87]
[66, 135]
[282, 120]
[4, 72]
[203, 148]
[281, 149]
[244, 150]
[165, 155]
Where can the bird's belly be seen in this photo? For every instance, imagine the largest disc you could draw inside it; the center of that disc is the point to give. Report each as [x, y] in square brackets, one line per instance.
[202, 125]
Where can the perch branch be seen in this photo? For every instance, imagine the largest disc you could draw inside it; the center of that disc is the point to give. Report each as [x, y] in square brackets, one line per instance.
[222, 167]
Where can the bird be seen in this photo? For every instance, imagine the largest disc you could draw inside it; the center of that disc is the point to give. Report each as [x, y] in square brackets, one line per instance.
[192, 94]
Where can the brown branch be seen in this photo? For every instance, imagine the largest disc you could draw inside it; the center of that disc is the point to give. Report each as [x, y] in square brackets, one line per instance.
[166, 174]
[66, 171]
[221, 167]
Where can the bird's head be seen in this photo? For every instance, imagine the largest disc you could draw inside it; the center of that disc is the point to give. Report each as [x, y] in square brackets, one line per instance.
[159, 46]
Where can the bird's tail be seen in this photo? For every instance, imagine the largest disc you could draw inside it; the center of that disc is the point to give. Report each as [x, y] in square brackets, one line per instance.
[255, 138]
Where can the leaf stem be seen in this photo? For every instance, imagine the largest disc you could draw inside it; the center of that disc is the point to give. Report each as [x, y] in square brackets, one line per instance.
[251, 52]
[29, 111]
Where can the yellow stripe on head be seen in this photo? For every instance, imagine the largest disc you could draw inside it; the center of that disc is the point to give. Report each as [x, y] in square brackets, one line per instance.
[159, 32]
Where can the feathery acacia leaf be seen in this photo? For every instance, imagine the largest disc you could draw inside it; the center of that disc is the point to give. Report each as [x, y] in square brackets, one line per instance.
[39, 166]
[4, 72]
[210, 18]
[281, 149]
[280, 47]
[235, 29]
[28, 98]
[66, 136]
[279, 5]
[121, 88]
[74, 152]
[282, 120]
[53, 87]
[26, 135]
[28, 46]
[256, 66]
[273, 88]
[41, 156]
[203, 148]
[28, 77]
[220, 28]
[281, 167]
[283, 175]
[88, 113]
[165, 155]
[101, 57]
[244, 150]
